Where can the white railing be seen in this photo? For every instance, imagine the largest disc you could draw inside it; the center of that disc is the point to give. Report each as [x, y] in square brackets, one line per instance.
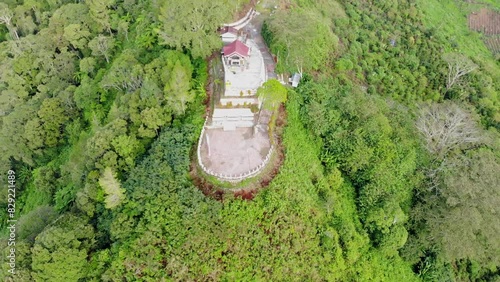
[231, 177]
[242, 19]
[243, 24]
[198, 151]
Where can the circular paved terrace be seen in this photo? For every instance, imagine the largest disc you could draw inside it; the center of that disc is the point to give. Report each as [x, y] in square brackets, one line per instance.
[234, 152]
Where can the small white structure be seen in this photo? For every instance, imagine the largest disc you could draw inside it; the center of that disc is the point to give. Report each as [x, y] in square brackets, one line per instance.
[295, 79]
[228, 34]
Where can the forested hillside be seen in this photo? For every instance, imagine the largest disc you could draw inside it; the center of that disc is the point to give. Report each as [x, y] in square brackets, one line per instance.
[391, 167]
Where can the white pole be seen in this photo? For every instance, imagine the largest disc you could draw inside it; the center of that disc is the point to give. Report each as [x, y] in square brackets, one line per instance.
[208, 144]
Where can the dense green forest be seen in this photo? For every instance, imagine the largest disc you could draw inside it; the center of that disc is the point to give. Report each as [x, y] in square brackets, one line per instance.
[391, 167]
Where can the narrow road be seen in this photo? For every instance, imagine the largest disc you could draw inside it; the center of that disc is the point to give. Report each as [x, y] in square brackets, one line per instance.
[253, 29]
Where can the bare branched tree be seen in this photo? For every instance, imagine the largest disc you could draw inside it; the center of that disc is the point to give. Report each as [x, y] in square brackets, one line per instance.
[5, 18]
[458, 66]
[446, 127]
[102, 46]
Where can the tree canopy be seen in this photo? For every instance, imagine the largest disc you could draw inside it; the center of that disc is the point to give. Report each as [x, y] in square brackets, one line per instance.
[272, 93]
[388, 148]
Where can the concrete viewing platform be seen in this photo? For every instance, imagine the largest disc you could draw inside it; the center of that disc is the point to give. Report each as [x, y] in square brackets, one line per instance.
[234, 152]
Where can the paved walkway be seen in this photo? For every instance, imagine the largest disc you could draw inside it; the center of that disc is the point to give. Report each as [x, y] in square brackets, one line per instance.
[240, 80]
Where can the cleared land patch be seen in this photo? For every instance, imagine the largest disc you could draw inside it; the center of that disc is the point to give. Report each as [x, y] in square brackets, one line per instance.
[487, 22]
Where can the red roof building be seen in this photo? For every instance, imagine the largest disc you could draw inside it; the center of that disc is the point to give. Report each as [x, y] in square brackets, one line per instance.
[228, 34]
[228, 29]
[236, 48]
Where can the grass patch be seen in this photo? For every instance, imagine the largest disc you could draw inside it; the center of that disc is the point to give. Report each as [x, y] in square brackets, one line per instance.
[494, 4]
[449, 19]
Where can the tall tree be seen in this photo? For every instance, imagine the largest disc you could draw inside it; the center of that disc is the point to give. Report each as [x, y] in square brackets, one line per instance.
[13, 137]
[192, 24]
[33, 223]
[286, 33]
[446, 127]
[462, 219]
[100, 13]
[60, 251]
[271, 94]
[77, 35]
[53, 116]
[102, 46]
[177, 91]
[26, 17]
[126, 73]
[152, 119]
[112, 188]
[459, 65]
[128, 148]
[63, 17]
[6, 18]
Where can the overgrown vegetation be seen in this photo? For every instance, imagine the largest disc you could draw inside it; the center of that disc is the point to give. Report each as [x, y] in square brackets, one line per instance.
[408, 115]
[390, 171]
